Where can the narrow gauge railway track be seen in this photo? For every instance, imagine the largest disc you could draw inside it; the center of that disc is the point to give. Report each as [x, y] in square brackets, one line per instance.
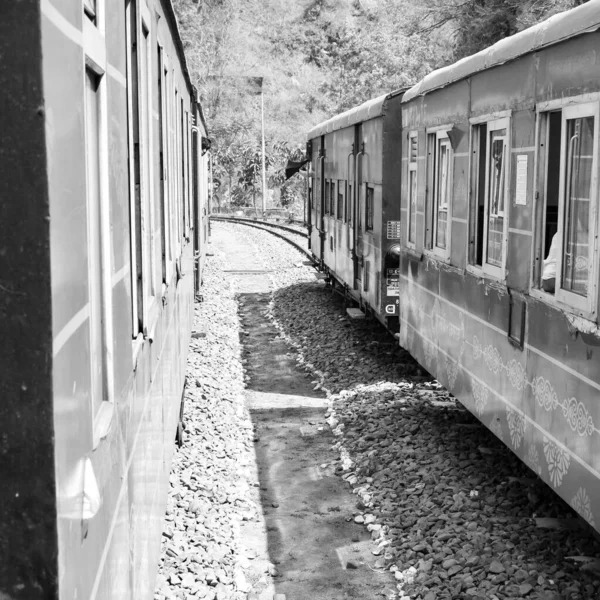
[271, 227]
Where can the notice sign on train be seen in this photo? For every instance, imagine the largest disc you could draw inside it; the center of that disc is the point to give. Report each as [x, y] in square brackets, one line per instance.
[392, 280]
[393, 230]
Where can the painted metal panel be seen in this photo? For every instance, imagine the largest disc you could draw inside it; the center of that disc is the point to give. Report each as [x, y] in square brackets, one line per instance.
[111, 551]
[570, 66]
[66, 174]
[508, 87]
[369, 110]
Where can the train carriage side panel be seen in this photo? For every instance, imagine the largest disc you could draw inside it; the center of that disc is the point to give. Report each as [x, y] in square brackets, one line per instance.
[124, 299]
[519, 358]
[337, 235]
[316, 199]
[28, 538]
[344, 139]
[329, 174]
[369, 223]
[392, 137]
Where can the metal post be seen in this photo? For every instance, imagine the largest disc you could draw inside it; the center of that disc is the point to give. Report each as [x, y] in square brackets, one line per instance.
[264, 171]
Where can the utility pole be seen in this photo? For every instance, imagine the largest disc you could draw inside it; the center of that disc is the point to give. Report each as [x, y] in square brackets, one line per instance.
[264, 170]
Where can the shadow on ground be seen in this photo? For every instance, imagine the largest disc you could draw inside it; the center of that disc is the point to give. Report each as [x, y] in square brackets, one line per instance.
[317, 550]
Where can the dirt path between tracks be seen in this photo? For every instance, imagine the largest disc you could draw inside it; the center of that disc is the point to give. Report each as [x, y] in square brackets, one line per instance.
[306, 529]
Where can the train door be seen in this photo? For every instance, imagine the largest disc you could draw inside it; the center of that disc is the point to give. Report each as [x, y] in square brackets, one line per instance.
[357, 253]
[321, 201]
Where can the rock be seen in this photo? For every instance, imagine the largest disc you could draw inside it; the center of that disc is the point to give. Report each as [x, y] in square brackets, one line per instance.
[525, 589]
[449, 563]
[188, 580]
[496, 567]
[409, 451]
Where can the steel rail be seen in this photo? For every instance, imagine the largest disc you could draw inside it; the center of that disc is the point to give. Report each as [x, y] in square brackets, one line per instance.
[268, 227]
[242, 220]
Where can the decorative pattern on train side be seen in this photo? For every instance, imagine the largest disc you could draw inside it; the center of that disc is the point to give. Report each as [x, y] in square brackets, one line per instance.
[503, 388]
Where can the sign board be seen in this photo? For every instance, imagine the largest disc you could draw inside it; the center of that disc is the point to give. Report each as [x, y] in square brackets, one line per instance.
[521, 193]
[392, 282]
[393, 230]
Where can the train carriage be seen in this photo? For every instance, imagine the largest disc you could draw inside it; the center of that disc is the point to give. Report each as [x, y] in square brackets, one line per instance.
[505, 149]
[103, 226]
[354, 217]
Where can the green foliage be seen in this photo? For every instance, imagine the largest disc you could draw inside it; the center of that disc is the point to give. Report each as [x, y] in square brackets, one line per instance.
[318, 58]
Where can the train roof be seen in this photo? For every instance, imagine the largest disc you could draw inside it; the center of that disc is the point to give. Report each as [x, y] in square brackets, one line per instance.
[562, 26]
[174, 24]
[369, 110]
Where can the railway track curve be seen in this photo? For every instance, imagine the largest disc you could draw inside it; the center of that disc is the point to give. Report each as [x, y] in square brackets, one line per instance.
[272, 228]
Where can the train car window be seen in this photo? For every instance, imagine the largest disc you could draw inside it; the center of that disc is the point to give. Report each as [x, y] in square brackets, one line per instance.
[340, 200]
[345, 208]
[567, 158]
[489, 190]
[439, 190]
[95, 262]
[442, 194]
[332, 199]
[89, 8]
[412, 188]
[148, 216]
[133, 125]
[479, 137]
[359, 205]
[161, 80]
[496, 196]
[182, 159]
[326, 207]
[369, 208]
[366, 276]
[349, 202]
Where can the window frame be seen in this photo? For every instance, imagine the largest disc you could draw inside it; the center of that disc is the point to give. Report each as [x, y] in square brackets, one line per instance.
[332, 197]
[493, 122]
[99, 275]
[434, 137]
[165, 146]
[587, 307]
[369, 216]
[341, 187]
[412, 168]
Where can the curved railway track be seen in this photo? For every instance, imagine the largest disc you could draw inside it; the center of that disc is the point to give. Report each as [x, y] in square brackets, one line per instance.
[271, 227]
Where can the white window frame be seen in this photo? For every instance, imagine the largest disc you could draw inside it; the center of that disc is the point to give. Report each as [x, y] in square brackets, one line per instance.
[494, 122]
[441, 137]
[584, 304]
[94, 52]
[166, 166]
[412, 168]
[149, 267]
[587, 307]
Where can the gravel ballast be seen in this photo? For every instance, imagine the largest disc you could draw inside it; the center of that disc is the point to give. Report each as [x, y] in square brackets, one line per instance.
[451, 510]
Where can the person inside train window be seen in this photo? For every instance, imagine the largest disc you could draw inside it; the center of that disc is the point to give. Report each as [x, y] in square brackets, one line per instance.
[549, 272]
